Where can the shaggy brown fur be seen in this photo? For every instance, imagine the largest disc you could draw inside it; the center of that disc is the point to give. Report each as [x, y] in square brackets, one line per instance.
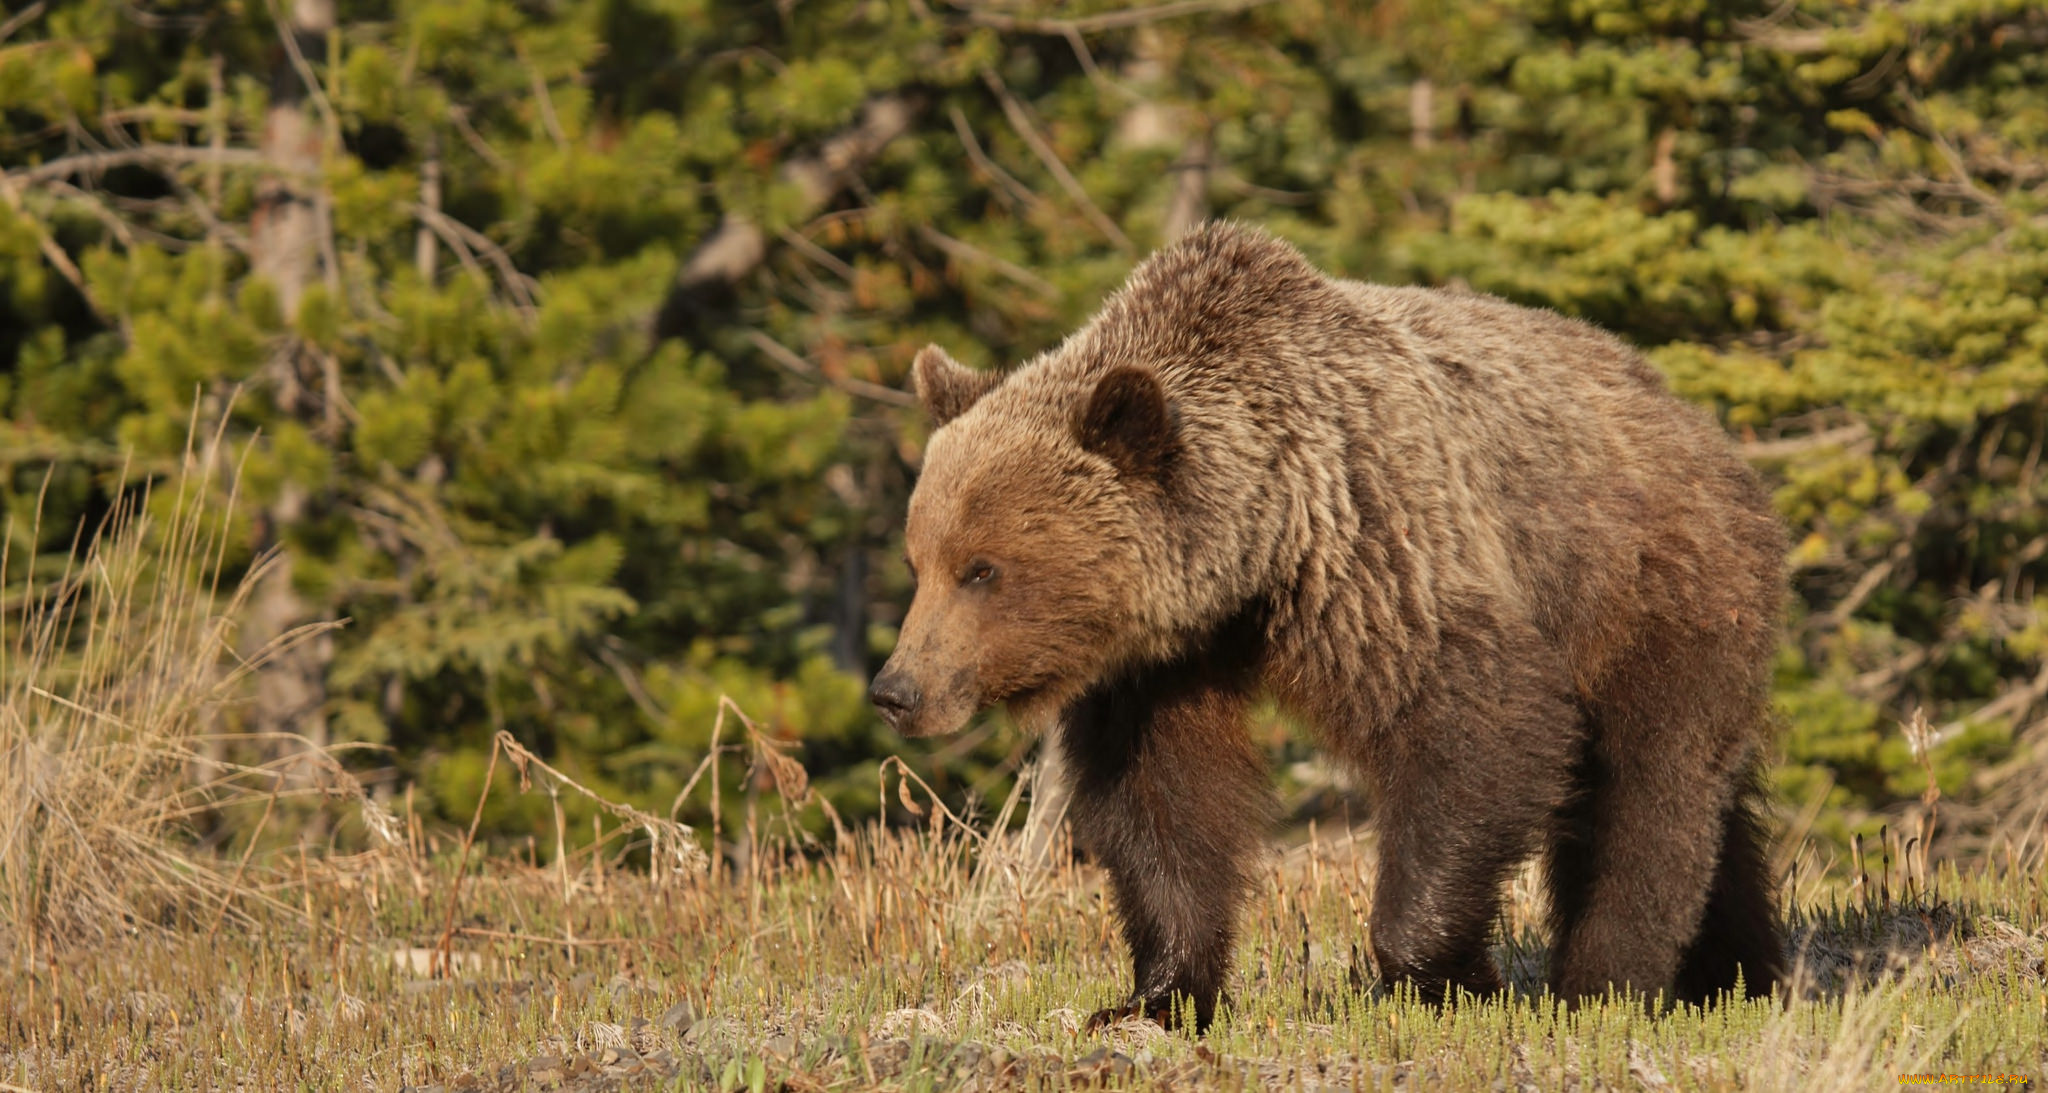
[1528, 593]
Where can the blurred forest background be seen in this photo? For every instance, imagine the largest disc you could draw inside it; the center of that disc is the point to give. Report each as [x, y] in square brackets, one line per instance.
[562, 343]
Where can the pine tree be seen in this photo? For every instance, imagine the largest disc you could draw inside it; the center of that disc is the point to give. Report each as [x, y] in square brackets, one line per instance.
[569, 340]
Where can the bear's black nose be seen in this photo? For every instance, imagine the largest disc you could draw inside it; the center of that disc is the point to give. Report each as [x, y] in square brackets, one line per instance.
[894, 696]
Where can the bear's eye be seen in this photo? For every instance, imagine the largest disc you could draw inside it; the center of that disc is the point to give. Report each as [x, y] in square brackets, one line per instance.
[978, 572]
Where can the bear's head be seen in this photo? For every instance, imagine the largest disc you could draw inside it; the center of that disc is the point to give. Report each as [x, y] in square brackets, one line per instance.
[1026, 538]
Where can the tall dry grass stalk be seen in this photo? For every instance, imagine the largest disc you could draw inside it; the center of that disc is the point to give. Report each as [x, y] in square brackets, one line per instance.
[116, 665]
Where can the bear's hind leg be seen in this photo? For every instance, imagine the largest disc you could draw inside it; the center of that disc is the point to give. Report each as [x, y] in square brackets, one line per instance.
[1568, 860]
[1674, 730]
[1172, 798]
[1740, 928]
[1467, 780]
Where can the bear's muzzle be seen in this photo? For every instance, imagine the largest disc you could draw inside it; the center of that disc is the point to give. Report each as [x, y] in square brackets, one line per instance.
[894, 696]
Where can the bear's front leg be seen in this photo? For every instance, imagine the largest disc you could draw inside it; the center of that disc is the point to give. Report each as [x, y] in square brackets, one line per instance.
[1172, 798]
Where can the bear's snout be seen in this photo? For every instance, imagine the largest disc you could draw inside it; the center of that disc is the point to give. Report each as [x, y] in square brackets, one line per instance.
[894, 696]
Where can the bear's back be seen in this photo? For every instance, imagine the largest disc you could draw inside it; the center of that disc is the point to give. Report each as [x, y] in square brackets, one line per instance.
[1575, 482]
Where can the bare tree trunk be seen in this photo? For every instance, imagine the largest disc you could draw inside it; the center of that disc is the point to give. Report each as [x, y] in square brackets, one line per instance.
[1190, 204]
[1051, 793]
[430, 198]
[849, 611]
[850, 608]
[1151, 123]
[216, 126]
[287, 244]
[284, 235]
[291, 687]
[1422, 114]
[1664, 167]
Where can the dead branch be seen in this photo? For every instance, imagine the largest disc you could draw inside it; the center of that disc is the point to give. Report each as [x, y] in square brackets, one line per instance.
[1872, 579]
[177, 115]
[1769, 31]
[630, 680]
[217, 231]
[1094, 72]
[548, 119]
[52, 253]
[460, 116]
[1786, 447]
[788, 358]
[1243, 185]
[525, 290]
[2014, 703]
[149, 155]
[975, 155]
[439, 225]
[1879, 681]
[677, 839]
[802, 245]
[1949, 155]
[1930, 483]
[22, 18]
[738, 246]
[964, 251]
[1111, 20]
[1020, 120]
[92, 203]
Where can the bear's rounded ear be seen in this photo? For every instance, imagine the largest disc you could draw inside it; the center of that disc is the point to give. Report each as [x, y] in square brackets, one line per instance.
[1128, 422]
[945, 386]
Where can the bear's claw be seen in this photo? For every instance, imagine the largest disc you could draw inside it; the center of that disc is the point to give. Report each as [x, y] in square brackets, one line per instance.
[1157, 1010]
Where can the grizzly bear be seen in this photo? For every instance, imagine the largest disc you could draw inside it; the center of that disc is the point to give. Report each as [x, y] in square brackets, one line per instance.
[1526, 593]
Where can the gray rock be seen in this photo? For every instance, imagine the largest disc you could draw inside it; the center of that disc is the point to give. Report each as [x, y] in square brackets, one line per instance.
[546, 1068]
[679, 1016]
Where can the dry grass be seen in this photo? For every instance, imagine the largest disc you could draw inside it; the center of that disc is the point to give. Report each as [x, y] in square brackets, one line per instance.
[924, 958]
[114, 673]
[899, 960]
